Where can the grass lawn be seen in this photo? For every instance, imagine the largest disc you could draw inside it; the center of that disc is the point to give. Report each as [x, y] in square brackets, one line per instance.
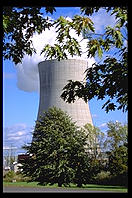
[88, 186]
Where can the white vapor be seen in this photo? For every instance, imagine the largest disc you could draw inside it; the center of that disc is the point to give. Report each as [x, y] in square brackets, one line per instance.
[27, 72]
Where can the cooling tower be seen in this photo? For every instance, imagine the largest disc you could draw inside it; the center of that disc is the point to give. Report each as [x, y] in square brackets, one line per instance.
[53, 76]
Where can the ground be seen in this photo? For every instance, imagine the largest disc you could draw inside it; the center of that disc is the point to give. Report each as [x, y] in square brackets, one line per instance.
[33, 187]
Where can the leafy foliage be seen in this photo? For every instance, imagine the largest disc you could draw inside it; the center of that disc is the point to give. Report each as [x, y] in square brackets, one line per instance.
[19, 24]
[11, 175]
[118, 161]
[117, 135]
[61, 153]
[67, 43]
[107, 78]
[117, 147]
[56, 151]
[89, 10]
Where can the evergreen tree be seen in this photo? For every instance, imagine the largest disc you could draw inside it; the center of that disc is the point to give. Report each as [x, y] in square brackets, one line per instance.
[57, 150]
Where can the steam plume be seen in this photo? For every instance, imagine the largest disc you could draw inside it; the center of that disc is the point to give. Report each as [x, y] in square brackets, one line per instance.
[27, 72]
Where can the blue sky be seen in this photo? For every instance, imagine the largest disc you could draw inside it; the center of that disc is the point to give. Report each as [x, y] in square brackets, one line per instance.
[20, 107]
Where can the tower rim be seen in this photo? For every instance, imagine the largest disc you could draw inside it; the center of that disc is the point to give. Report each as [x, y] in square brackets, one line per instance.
[55, 60]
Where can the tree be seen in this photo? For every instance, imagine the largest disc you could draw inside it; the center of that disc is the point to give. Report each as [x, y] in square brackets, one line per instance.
[95, 138]
[107, 78]
[117, 148]
[56, 149]
[19, 24]
[118, 161]
[117, 135]
[95, 144]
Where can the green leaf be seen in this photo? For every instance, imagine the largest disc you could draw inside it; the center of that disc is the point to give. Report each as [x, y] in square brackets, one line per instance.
[100, 51]
[118, 38]
[6, 22]
[50, 9]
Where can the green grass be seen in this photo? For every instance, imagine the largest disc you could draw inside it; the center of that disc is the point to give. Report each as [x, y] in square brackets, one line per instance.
[105, 188]
[21, 184]
[89, 187]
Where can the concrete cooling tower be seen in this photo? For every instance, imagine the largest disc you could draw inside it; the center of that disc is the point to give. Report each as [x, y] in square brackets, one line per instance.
[54, 75]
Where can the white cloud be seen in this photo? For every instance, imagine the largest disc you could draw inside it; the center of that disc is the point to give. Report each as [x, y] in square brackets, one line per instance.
[103, 125]
[27, 72]
[21, 133]
[17, 135]
[102, 19]
[14, 138]
[6, 147]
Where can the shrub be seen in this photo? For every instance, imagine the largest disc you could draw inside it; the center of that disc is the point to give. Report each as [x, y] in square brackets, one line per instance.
[9, 176]
[12, 176]
[102, 177]
[105, 178]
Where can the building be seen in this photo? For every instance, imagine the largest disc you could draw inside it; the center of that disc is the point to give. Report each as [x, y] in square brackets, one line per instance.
[54, 75]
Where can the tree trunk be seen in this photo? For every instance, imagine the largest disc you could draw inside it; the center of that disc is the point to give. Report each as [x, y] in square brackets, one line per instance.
[79, 185]
[59, 184]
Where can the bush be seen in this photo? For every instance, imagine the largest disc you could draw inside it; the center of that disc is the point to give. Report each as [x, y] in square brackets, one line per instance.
[9, 176]
[16, 177]
[102, 177]
[105, 178]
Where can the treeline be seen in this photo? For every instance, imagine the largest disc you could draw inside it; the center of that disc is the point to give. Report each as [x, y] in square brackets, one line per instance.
[62, 153]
